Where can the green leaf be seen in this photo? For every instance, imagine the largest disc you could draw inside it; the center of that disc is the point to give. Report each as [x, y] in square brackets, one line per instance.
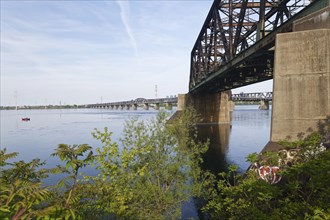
[3, 209]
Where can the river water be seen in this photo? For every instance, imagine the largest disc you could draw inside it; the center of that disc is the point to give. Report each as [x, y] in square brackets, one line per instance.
[248, 132]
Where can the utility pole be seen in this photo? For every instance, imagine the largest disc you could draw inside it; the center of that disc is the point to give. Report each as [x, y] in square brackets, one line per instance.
[15, 95]
[156, 91]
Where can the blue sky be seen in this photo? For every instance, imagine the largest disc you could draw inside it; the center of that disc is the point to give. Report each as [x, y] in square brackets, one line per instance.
[80, 52]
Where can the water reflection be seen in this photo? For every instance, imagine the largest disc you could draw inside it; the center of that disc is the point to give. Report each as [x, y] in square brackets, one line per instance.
[251, 118]
[218, 135]
[248, 132]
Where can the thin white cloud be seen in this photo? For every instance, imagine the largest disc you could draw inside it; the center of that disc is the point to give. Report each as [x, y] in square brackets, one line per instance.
[124, 14]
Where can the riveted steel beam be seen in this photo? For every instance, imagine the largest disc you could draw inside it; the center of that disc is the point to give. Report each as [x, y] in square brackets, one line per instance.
[232, 27]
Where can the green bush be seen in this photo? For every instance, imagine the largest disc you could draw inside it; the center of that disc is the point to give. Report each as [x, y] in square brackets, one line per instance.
[149, 176]
[303, 192]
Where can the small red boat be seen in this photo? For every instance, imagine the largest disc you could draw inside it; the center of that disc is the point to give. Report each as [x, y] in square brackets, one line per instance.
[26, 119]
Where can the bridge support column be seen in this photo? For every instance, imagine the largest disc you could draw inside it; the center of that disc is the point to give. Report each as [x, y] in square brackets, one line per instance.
[146, 106]
[232, 105]
[213, 108]
[264, 105]
[128, 107]
[156, 106]
[168, 106]
[134, 106]
[301, 94]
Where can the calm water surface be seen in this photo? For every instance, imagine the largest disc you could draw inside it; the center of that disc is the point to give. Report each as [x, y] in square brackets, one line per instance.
[48, 128]
[248, 132]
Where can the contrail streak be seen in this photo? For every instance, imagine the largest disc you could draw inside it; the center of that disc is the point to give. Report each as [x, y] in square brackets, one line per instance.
[124, 14]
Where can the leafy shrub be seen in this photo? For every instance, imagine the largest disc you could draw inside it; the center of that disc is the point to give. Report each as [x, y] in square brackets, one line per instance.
[303, 192]
[149, 176]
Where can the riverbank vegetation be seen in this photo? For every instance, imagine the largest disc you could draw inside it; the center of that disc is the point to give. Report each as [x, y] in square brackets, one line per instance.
[302, 193]
[155, 169]
[149, 175]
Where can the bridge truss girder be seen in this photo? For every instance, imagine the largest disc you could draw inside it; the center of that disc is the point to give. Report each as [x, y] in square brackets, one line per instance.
[248, 72]
[231, 27]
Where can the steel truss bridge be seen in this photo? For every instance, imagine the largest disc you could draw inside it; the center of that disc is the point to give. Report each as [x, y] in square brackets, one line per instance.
[258, 96]
[135, 103]
[235, 46]
[142, 102]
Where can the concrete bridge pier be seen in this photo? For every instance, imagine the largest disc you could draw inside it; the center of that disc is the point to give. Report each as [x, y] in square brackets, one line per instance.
[156, 106]
[134, 106]
[213, 108]
[168, 106]
[232, 105]
[146, 106]
[264, 105]
[301, 94]
[127, 107]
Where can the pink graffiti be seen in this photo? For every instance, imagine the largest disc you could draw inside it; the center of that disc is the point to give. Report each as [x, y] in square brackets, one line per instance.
[269, 174]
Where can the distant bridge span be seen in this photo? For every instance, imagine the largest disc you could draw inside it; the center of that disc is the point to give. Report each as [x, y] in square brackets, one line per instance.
[168, 102]
[139, 102]
[256, 96]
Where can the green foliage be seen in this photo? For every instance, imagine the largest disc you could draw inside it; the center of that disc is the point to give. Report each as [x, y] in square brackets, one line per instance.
[252, 158]
[303, 192]
[5, 156]
[66, 201]
[21, 191]
[72, 154]
[149, 175]
[319, 214]
[154, 172]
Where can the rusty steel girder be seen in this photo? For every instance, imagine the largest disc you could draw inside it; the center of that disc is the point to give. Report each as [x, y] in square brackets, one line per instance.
[231, 27]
